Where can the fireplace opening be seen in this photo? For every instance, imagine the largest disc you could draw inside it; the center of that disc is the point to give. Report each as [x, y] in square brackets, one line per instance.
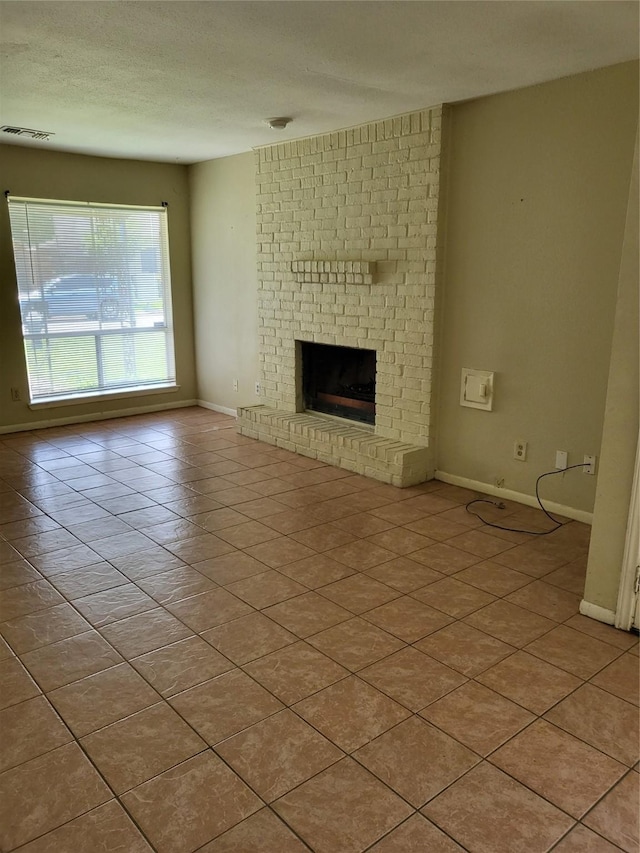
[339, 381]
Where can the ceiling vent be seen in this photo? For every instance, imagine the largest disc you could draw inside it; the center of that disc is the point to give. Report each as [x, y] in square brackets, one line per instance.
[26, 131]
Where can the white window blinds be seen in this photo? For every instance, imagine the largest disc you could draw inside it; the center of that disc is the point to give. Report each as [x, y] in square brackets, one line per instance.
[95, 297]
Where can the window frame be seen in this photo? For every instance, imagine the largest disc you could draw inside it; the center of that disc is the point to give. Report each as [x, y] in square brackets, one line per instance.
[104, 389]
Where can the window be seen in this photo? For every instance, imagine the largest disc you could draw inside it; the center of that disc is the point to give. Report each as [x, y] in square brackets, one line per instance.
[95, 297]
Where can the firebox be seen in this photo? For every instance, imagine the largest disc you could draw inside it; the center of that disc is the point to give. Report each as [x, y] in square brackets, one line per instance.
[339, 381]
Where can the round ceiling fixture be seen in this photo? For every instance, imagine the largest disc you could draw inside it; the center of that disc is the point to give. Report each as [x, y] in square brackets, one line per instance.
[278, 123]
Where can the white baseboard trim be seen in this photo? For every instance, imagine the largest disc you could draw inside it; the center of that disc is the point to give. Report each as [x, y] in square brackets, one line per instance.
[594, 611]
[97, 416]
[518, 497]
[223, 410]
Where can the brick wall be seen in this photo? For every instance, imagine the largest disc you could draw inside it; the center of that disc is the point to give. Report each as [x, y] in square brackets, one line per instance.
[368, 194]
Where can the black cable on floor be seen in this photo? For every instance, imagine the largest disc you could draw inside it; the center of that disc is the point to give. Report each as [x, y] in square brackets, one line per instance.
[500, 505]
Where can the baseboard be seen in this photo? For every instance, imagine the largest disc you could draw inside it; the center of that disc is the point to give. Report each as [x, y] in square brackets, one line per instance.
[594, 611]
[518, 497]
[215, 408]
[97, 416]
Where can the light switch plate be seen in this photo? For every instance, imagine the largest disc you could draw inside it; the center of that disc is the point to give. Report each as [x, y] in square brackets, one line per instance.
[476, 389]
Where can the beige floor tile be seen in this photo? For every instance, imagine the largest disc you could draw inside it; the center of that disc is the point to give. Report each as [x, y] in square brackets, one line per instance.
[323, 537]
[230, 567]
[65, 560]
[529, 681]
[172, 669]
[416, 760]
[407, 618]
[477, 717]
[583, 840]
[453, 597]
[529, 560]
[344, 808]
[624, 640]
[416, 835]
[28, 730]
[112, 605]
[266, 589]
[216, 519]
[138, 747]
[404, 574]
[225, 705]
[16, 685]
[602, 720]
[307, 614]
[355, 643]
[28, 598]
[359, 593]
[279, 552]
[208, 609]
[564, 770]
[573, 651]
[69, 660]
[361, 555]
[493, 578]
[151, 561]
[248, 533]
[198, 548]
[616, 816]
[351, 713]
[139, 634]
[249, 637]
[46, 792]
[261, 833]
[540, 597]
[412, 678]
[34, 630]
[316, 570]
[87, 581]
[121, 544]
[510, 623]
[621, 678]
[400, 540]
[107, 828]
[185, 807]
[464, 648]
[363, 524]
[102, 699]
[480, 543]
[295, 672]
[444, 558]
[570, 577]
[277, 754]
[397, 513]
[18, 572]
[488, 812]
[175, 584]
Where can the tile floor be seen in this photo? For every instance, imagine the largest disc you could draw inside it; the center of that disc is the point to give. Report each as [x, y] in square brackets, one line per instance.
[212, 644]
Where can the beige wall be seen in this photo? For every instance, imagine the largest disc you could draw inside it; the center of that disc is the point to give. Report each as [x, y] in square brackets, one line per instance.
[223, 203]
[538, 187]
[620, 435]
[39, 173]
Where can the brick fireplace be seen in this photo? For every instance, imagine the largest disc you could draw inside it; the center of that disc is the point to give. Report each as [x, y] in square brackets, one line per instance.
[348, 256]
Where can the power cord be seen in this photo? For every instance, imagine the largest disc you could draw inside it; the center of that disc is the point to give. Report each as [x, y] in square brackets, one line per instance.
[500, 505]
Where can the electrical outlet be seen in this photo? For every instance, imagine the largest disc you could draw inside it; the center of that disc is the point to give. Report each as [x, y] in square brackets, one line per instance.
[520, 451]
[257, 389]
[15, 395]
[561, 459]
[235, 384]
[589, 465]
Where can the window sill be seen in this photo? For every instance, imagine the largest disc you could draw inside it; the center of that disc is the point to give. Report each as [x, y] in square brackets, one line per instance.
[79, 399]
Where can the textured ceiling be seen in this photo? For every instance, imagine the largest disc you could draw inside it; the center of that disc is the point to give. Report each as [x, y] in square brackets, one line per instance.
[190, 81]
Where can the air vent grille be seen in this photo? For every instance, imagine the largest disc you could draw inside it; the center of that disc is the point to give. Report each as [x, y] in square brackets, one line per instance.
[26, 131]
